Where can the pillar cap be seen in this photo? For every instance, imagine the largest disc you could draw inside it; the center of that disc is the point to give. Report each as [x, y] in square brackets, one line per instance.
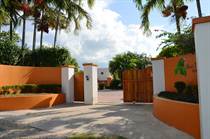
[89, 64]
[68, 66]
[200, 21]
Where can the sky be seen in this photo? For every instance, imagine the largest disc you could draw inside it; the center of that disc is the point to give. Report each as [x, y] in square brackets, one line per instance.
[116, 29]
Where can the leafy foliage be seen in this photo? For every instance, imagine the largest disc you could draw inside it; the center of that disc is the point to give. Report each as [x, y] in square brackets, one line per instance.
[128, 60]
[174, 44]
[50, 57]
[30, 88]
[180, 86]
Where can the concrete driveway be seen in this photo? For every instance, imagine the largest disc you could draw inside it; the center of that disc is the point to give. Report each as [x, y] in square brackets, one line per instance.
[131, 121]
[110, 96]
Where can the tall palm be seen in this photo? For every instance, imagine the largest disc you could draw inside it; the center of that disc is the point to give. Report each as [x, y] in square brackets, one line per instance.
[74, 14]
[12, 6]
[4, 17]
[175, 6]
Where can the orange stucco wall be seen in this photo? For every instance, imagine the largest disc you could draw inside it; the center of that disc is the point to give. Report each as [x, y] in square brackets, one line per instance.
[181, 115]
[171, 78]
[14, 75]
[31, 101]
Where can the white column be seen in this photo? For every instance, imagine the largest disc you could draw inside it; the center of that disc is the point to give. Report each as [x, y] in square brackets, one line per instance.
[90, 83]
[158, 76]
[67, 83]
[202, 43]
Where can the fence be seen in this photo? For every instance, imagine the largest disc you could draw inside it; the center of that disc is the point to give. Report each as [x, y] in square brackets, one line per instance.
[14, 75]
[137, 85]
[171, 77]
[79, 86]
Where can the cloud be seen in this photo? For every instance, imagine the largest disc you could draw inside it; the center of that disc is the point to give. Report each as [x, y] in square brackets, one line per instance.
[108, 37]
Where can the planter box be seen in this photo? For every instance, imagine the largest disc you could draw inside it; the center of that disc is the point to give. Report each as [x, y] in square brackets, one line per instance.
[30, 101]
[181, 115]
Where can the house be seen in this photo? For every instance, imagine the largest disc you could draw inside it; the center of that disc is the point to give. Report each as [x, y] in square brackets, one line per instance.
[104, 76]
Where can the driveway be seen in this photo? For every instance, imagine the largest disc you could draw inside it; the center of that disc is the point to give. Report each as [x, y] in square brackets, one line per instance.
[131, 121]
[110, 96]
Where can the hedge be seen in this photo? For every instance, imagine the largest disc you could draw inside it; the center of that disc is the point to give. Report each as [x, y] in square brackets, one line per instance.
[30, 88]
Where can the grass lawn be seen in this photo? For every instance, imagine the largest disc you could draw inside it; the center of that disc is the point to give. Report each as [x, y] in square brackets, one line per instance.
[94, 136]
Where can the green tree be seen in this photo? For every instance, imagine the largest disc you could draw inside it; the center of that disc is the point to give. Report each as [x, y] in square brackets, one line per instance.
[174, 9]
[174, 44]
[12, 7]
[128, 60]
[4, 17]
[75, 14]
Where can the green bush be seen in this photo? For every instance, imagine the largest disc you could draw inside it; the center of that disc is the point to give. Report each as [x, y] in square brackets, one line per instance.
[179, 97]
[180, 86]
[9, 53]
[101, 86]
[116, 84]
[30, 88]
[49, 57]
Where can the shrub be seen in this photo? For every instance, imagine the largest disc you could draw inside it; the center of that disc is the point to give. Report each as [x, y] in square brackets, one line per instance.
[116, 84]
[179, 97]
[9, 53]
[101, 86]
[180, 86]
[30, 88]
[49, 57]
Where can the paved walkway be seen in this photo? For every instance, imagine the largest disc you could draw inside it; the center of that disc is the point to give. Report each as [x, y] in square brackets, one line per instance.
[131, 121]
[110, 96]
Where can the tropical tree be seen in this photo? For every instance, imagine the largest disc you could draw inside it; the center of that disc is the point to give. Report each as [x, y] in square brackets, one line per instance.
[128, 60]
[12, 7]
[175, 9]
[4, 17]
[174, 44]
[75, 13]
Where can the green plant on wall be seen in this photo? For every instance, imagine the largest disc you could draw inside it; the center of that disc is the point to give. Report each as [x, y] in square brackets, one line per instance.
[181, 67]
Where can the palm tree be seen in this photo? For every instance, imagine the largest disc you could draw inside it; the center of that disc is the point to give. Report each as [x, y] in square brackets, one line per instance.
[11, 7]
[4, 17]
[75, 13]
[176, 7]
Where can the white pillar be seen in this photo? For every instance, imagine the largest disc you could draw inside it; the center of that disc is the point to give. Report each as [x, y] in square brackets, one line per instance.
[67, 83]
[202, 43]
[158, 75]
[90, 83]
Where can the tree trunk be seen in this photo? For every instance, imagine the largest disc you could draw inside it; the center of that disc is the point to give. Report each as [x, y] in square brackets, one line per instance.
[23, 33]
[41, 39]
[177, 19]
[0, 28]
[34, 36]
[199, 8]
[178, 25]
[10, 30]
[56, 31]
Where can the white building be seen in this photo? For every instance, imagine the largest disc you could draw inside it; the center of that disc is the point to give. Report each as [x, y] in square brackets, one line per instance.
[103, 74]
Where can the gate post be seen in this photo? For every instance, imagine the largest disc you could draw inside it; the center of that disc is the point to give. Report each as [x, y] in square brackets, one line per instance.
[90, 83]
[158, 74]
[201, 28]
[67, 83]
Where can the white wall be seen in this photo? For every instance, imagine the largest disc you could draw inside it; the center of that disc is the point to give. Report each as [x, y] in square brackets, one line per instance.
[67, 83]
[105, 75]
[158, 76]
[90, 85]
[202, 42]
